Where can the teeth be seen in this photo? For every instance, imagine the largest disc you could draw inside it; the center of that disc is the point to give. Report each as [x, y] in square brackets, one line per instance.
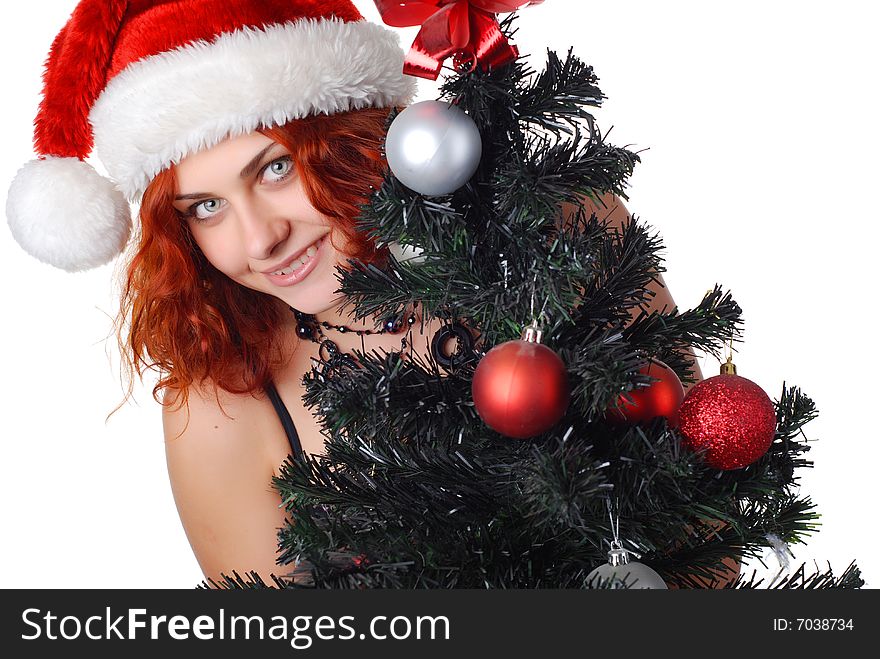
[297, 263]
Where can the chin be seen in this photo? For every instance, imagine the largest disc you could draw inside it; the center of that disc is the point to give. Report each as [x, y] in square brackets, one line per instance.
[313, 307]
[312, 297]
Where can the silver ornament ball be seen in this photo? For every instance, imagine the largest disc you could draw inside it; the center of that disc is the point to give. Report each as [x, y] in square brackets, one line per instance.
[624, 574]
[433, 148]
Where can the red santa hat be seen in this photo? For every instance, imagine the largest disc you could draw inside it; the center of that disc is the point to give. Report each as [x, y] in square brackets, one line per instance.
[147, 82]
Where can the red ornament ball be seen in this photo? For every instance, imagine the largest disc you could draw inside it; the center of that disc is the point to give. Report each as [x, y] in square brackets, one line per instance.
[660, 398]
[731, 417]
[520, 389]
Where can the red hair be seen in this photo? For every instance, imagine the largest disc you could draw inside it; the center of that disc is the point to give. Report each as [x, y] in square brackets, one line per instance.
[191, 322]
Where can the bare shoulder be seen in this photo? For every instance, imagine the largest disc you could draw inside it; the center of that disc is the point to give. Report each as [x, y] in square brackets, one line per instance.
[203, 410]
[211, 428]
[220, 471]
[607, 206]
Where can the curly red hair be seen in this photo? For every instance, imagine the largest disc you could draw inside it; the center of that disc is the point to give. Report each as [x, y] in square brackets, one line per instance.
[191, 322]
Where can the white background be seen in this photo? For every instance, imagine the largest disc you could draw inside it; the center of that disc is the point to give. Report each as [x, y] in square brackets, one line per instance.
[761, 118]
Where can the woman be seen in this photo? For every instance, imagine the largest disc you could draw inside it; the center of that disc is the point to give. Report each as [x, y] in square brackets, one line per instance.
[292, 214]
[150, 83]
[249, 136]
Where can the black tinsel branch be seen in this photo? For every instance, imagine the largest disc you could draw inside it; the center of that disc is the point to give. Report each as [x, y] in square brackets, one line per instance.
[622, 265]
[708, 327]
[559, 485]
[799, 580]
[601, 366]
[397, 214]
[563, 89]
[391, 397]
[534, 181]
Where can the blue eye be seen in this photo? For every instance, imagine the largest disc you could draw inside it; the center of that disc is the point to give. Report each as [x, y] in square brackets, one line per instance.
[280, 169]
[275, 172]
[209, 206]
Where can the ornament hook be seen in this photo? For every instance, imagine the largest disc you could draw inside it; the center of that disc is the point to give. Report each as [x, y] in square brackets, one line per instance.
[729, 368]
[541, 317]
[617, 555]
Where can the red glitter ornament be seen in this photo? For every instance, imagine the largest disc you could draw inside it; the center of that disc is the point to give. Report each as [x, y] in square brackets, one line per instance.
[730, 417]
[520, 388]
[661, 398]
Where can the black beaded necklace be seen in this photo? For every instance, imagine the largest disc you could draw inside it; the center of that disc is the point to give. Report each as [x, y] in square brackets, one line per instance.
[309, 328]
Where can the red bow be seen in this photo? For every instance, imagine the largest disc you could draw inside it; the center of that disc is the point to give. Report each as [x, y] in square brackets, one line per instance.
[450, 27]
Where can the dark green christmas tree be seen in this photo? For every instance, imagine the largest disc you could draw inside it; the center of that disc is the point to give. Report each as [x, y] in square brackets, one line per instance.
[415, 491]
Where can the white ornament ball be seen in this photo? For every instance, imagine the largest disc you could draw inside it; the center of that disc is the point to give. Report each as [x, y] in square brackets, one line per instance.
[406, 253]
[625, 574]
[433, 148]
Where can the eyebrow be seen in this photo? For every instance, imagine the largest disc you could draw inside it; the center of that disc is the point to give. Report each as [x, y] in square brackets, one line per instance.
[248, 169]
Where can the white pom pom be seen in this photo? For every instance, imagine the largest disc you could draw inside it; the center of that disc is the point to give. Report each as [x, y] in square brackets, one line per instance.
[62, 212]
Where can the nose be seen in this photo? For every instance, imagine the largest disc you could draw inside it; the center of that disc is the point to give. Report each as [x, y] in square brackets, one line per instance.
[264, 229]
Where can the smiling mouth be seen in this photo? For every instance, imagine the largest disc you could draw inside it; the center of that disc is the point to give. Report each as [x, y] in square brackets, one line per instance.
[302, 260]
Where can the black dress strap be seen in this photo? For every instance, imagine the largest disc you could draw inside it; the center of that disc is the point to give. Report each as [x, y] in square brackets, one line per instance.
[286, 421]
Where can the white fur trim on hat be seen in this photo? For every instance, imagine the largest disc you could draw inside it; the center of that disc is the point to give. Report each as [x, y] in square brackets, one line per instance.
[64, 213]
[164, 107]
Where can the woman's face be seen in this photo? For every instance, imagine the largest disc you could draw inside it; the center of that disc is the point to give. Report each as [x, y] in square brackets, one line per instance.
[248, 212]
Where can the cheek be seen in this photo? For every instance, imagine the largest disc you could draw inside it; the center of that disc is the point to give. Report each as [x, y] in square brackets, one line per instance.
[319, 292]
[338, 255]
[325, 274]
[217, 248]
